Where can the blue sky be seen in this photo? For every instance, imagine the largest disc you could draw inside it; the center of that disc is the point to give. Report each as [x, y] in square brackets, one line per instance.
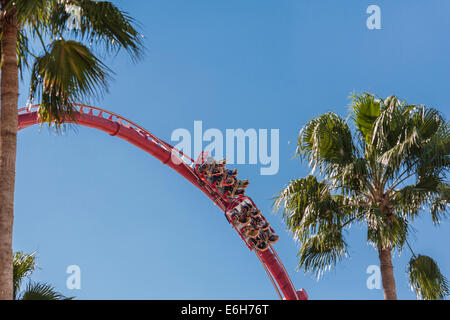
[137, 229]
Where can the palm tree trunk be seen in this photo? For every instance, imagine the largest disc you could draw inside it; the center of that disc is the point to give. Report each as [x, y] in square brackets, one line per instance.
[387, 274]
[9, 87]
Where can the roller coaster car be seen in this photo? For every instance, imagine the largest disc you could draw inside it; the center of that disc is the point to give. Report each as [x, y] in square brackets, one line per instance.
[219, 178]
[240, 204]
[257, 233]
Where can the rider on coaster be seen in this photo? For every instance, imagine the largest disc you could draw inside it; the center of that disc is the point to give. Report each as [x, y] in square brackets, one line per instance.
[250, 231]
[259, 245]
[254, 212]
[228, 178]
[215, 172]
[240, 217]
[224, 179]
[267, 235]
[230, 192]
[262, 223]
[214, 166]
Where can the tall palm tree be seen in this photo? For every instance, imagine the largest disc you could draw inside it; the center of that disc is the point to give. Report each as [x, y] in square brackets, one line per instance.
[23, 266]
[64, 69]
[380, 172]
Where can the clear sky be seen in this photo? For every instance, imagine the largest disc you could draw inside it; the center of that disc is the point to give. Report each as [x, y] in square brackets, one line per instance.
[137, 229]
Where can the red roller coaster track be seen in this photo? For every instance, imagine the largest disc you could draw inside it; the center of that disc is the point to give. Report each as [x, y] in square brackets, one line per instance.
[120, 127]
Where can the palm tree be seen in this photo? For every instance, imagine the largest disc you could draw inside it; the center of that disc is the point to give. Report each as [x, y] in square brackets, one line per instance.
[381, 173]
[64, 69]
[23, 266]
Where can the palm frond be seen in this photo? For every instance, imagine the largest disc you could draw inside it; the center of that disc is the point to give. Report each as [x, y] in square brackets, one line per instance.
[321, 251]
[440, 203]
[317, 219]
[430, 192]
[42, 291]
[30, 12]
[67, 73]
[326, 142]
[386, 231]
[23, 265]
[352, 178]
[22, 52]
[412, 139]
[426, 279]
[104, 23]
[308, 206]
[365, 109]
[389, 125]
[434, 155]
[428, 121]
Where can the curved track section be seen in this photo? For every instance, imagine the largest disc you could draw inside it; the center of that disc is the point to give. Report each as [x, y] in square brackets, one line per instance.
[127, 130]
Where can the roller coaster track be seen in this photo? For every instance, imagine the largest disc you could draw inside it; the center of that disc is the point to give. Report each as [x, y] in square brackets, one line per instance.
[118, 126]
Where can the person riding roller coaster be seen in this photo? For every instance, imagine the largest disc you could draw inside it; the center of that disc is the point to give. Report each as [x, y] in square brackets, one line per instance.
[250, 231]
[246, 217]
[236, 189]
[232, 188]
[215, 167]
[253, 226]
[240, 217]
[210, 167]
[261, 223]
[223, 179]
[267, 235]
[228, 178]
[258, 244]
[263, 240]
